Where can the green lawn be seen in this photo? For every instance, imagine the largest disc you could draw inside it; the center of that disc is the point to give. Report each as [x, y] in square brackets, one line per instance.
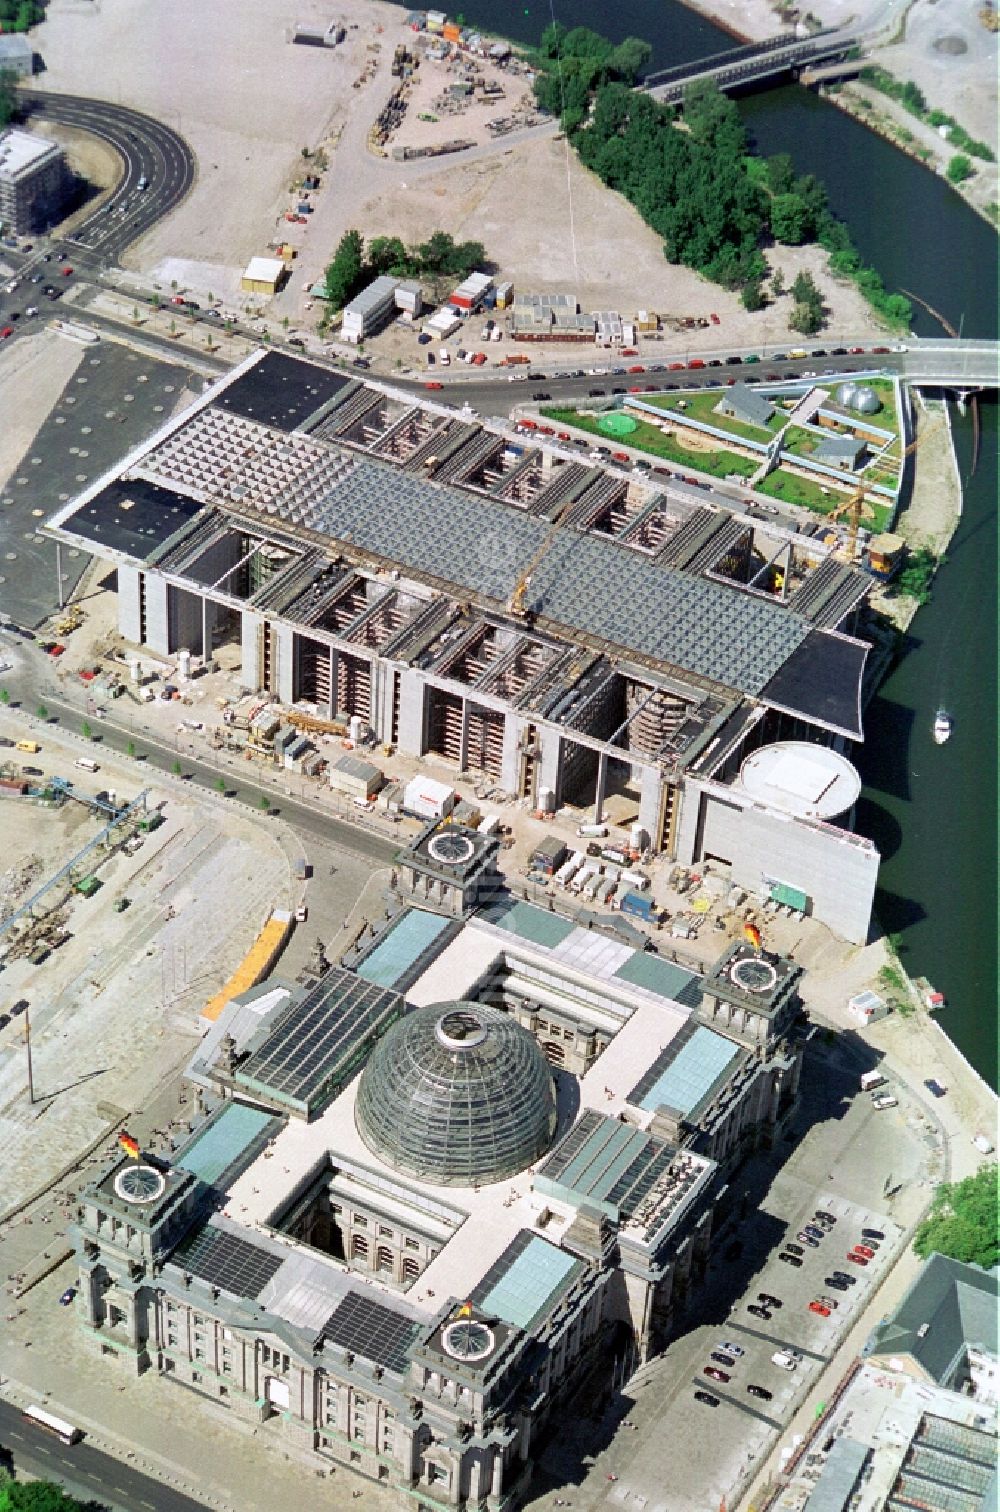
[649, 438]
[793, 489]
[700, 405]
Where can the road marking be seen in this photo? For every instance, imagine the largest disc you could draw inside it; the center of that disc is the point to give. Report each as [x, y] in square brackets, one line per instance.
[739, 1404]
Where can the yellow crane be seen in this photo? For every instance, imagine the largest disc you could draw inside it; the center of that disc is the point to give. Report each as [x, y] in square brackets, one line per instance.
[857, 507]
[516, 603]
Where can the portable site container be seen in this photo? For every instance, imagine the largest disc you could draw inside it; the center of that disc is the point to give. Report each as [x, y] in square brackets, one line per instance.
[568, 869]
[582, 877]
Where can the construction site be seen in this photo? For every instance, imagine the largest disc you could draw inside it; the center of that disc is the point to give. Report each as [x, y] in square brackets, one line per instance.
[597, 645]
[123, 906]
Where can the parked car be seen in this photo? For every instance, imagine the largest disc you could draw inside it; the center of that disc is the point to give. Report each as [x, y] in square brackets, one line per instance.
[816, 1233]
[716, 1375]
[805, 1238]
[857, 1259]
[759, 1312]
[825, 1217]
[870, 1233]
[706, 1397]
[794, 1249]
[760, 1391]
[879, 1103]
[817, 1307]
[433, 384]
[847, 1279]
[934, 1087]
[791, 1260]
[722, 1359]
[837, 1285]
[731, 1349]
[768, 1300]
[865, 1249]
[829, 1302]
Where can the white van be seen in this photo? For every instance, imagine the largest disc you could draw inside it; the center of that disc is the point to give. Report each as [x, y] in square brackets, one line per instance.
[871, 1079]
[87, 764]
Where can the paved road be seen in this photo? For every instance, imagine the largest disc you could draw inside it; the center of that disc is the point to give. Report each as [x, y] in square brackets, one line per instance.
[149, 150]
[85, 1471]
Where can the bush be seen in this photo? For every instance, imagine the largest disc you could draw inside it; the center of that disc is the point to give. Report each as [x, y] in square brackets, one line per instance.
[959, 169]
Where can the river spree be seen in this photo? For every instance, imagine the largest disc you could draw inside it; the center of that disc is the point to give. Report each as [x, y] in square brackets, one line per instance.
[931, 810]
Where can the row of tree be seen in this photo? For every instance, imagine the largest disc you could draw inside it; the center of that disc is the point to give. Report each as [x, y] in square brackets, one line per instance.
[8, 99]
[713, 204]
[439, 257]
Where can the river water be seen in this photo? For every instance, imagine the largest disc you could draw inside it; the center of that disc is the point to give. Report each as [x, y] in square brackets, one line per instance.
[931, 810]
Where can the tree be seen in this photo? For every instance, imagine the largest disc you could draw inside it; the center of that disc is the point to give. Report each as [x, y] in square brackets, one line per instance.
[780, 173]
[805, 318]
[130, 748]
[345, 273]
[804, 289]
[86, 731]
[8, 99]
[962, 1222]
[42, 713]
[777, 283]
[752, 295]
[264, 802]
[959, 168]
[386, 254]
[176, 768]
[37, 1496]
[220, 785]
[4, 695]
[790, 221]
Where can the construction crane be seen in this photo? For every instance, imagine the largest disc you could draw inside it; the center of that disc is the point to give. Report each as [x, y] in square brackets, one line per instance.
[857, 507]
[516, 603]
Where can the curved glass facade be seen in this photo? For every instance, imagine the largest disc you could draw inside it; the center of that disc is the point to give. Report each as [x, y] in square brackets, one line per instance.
[457, 1094]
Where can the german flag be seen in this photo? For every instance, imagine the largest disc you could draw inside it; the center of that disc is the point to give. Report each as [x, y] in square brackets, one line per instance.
[465, 1311]
[129, 1145]
[752, 934]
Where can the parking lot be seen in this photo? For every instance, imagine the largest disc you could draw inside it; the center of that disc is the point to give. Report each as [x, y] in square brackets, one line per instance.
[648, 1449]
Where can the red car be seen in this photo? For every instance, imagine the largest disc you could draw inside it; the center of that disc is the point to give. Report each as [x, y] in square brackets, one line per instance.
[66, 271]
[674, 367]
[433, 384]
[696, 362]
[717, 1375]
[856, 351]
[637, 368]
[714, 318]
[7, 331]
[563, 436]
[817, 1307]
[635, 389]
[546, 430]
[863, 1249]
[880, 350]
[858, 1259]
[177, 299]
[620, 456]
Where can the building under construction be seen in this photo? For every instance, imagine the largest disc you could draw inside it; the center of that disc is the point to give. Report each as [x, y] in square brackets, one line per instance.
[576, 631]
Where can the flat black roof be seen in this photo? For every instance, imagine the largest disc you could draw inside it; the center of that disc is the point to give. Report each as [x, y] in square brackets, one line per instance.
[132, 516]
[821, 681]
[281, 391]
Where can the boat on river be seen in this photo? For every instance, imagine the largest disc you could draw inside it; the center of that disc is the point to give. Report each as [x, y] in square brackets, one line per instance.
[942, 726]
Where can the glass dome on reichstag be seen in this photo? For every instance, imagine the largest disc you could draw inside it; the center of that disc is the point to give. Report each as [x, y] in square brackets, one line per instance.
[457, 1094]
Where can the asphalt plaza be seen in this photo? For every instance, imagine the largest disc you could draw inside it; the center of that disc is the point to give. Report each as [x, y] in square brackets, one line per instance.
[114, 400]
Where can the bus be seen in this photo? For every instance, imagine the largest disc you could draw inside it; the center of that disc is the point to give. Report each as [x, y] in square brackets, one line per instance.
[52, 1424]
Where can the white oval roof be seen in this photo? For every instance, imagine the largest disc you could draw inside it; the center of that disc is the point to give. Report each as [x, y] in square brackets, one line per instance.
[808, 780]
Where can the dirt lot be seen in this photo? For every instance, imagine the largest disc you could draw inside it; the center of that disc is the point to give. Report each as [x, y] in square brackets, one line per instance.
[32, 376]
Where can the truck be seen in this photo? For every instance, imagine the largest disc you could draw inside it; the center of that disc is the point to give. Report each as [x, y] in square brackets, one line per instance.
[640, 907]
[301, 868]
[871, 1079]
[514, 359]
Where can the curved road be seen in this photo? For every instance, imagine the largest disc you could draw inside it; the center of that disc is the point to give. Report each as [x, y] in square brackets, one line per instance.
[149, 150]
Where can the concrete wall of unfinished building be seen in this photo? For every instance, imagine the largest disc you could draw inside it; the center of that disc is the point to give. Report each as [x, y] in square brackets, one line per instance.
[836, 871]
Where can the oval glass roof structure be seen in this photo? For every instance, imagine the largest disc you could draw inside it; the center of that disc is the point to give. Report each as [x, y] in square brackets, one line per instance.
[457, 1094]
